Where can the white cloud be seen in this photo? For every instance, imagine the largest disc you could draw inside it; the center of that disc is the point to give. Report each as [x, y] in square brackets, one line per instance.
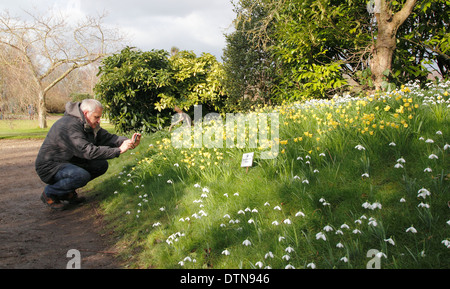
[196, 25]
[70, 10]
[185, 27]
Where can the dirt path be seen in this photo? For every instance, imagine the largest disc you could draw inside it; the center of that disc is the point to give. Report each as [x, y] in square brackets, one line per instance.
[31, 235]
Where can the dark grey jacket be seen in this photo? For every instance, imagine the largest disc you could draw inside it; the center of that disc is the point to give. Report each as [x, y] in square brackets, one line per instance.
[72, 140]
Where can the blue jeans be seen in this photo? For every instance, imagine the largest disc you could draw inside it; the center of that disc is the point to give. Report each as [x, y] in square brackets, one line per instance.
[71, 177]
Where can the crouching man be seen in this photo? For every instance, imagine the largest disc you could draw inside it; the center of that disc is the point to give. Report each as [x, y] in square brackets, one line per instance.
[76, 151]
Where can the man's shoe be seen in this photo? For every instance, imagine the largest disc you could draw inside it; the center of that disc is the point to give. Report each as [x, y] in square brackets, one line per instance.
[53, 204]
[74, 199]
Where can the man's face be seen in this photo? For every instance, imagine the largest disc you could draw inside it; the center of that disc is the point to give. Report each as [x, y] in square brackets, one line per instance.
[93, 118]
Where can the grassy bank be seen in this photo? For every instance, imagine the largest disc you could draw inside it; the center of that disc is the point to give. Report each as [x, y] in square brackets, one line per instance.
[353, 177]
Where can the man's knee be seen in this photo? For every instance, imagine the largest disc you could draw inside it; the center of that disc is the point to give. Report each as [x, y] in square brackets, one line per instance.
[70, 177]
[82, 176]
[98, 168]
[103, 167]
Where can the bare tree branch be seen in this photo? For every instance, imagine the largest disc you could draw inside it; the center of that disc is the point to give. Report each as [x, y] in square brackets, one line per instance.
[49, 43]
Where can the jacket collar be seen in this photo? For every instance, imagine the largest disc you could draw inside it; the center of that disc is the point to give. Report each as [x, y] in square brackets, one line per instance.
[73, 109]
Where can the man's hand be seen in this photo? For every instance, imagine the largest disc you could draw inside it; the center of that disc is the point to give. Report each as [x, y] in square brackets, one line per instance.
[136, 139]
[130, 143]
[126, 145]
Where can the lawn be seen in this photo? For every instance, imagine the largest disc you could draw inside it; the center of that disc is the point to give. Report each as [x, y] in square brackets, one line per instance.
[22, 129]
[29, 129]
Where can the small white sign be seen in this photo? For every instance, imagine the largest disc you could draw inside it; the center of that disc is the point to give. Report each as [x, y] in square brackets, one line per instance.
[247, 160]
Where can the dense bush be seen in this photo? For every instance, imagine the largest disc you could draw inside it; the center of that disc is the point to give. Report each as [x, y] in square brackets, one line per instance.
[129, 85]
[140, 89]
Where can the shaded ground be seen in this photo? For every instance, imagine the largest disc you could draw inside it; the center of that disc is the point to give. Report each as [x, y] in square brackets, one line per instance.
[31, 235]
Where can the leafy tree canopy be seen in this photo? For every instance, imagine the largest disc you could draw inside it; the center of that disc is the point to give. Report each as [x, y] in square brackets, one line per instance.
[320, 47]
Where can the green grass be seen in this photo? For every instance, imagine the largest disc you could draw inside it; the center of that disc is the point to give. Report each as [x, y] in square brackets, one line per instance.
[29, 129]
[22, 129]
[337, 177]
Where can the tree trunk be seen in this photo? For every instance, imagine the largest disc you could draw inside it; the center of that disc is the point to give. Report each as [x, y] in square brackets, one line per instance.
[383, 52]
[388, 24]
[42, 110]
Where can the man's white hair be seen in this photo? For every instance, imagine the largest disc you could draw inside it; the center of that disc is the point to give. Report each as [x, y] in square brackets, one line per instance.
[90, 105]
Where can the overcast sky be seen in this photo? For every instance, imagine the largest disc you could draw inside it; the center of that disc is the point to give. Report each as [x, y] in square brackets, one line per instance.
[196, 25]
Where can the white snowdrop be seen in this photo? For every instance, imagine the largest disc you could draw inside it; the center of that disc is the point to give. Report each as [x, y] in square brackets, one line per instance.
[247, 243]
[321, 235]
[327, 228]
[360, 147]
[401, 160]
[390, 241]
[412, 230]
[268, 255]
[433, 157]
[299, 214]
[423, 193]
